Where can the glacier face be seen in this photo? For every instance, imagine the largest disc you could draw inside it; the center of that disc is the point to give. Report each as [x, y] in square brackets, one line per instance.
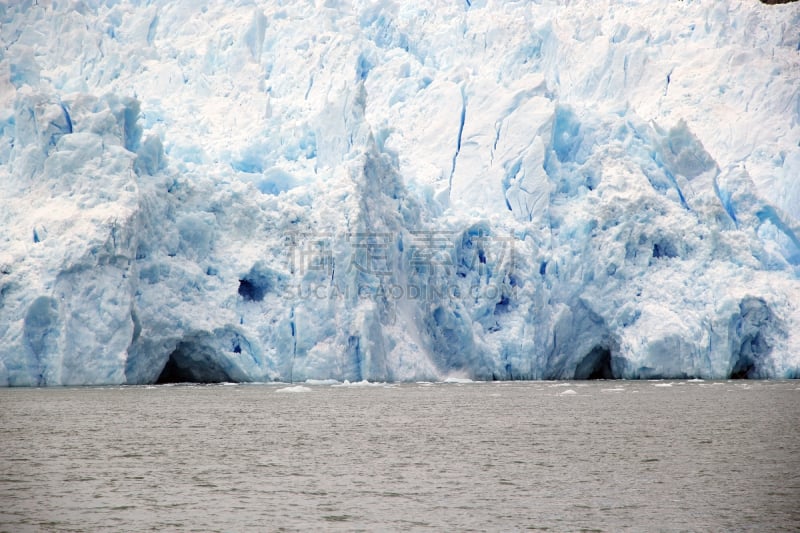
[255, 191]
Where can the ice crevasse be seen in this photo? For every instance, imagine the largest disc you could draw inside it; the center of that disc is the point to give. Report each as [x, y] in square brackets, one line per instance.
[255, 191]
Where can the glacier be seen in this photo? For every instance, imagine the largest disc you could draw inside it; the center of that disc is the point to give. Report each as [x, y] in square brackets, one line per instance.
[354, 190]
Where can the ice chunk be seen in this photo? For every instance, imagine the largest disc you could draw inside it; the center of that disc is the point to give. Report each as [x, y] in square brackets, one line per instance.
[295, 388]
[460, 381]
[321, 381]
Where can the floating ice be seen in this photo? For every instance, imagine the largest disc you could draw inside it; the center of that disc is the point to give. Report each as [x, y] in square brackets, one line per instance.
[398, 191]
[460, 381]
[296, 388]
[357, 384]
[321, 382]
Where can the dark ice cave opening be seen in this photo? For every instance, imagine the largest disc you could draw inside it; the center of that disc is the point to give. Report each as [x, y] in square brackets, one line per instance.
[742, 368]
[251, 291]
[192, 363]
[595, 365]
[753, 347]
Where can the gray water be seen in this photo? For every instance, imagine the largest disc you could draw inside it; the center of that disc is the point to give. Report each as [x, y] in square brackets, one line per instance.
[646, 456]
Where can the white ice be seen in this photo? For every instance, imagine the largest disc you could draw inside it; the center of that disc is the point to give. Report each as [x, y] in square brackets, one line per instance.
[398, 191]
[293, 389]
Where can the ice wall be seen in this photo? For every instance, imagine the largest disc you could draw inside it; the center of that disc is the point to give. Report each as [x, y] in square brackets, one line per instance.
[252, 191]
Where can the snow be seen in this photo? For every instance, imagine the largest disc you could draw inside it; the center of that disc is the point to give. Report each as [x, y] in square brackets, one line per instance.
[398, 191]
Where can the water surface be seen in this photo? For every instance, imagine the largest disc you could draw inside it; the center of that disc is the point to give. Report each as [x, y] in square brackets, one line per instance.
[604, 455]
